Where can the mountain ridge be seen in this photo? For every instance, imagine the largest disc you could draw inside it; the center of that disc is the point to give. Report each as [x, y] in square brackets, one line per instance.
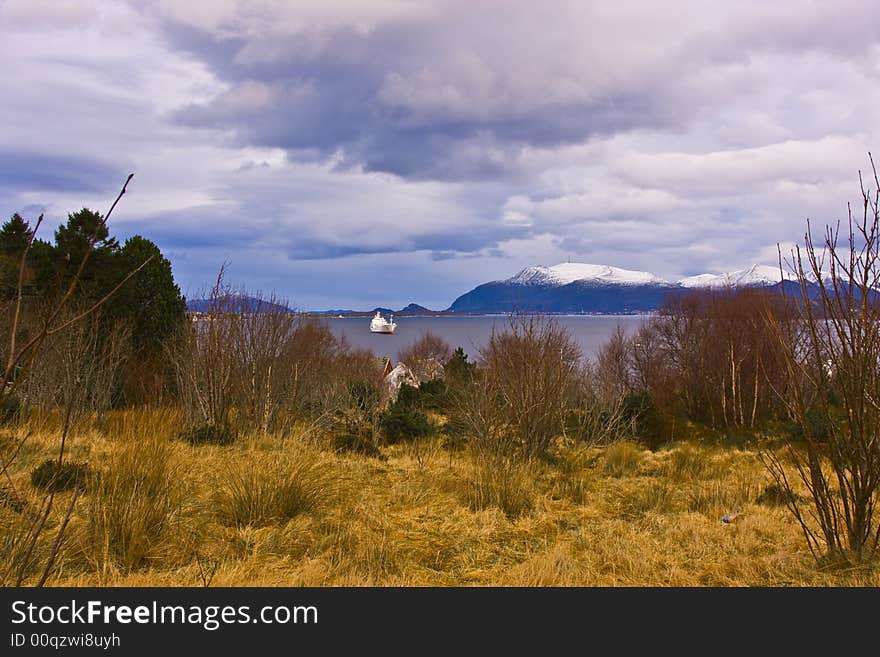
[594, 288]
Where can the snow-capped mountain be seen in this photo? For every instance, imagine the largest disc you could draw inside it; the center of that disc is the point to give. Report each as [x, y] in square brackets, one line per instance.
[569, 287]
[573, 287]
[754, 276]
[569, 272]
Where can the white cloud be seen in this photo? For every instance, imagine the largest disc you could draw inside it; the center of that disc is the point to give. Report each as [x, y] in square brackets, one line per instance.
[733, 171]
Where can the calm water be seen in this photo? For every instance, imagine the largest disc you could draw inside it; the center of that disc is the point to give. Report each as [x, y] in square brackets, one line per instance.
[471, 333]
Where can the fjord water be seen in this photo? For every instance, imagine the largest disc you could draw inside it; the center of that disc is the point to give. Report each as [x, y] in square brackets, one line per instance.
[472, 332]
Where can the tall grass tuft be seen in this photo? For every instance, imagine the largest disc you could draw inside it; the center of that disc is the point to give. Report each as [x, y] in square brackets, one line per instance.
[507, 484]
[275, 486]
[575, 474]
[21, 550]
[621, 459]
[135, 504]
[689, 463]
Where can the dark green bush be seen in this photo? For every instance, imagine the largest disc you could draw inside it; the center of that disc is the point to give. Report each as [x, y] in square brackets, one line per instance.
[407, 397]
[363, 396]
[775, 495]
[433, 394]
[458, 369]
[10, 409]
[455, 426]
[208, 434]
[53, 477]
[818, 425]
[405, 419]
[356, 443]
[645, 421]
[405, 424]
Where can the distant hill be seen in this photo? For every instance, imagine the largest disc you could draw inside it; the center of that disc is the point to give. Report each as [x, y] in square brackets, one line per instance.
[416, 309]
[408, 310]
[239, 303]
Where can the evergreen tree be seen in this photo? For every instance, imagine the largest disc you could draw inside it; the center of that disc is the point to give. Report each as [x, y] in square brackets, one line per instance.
[150, 300]
[103, 268]
[149, 303]
[14, 236]
[72, 239]
[458, 369]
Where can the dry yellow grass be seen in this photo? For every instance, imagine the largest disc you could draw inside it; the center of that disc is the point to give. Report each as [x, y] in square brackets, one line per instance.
[272, 512]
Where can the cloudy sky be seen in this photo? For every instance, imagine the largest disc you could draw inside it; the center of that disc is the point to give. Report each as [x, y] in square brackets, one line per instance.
[354, 153]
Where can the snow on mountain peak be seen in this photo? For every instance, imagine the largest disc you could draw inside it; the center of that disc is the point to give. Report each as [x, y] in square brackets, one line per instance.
[754, 276]
[569, 272]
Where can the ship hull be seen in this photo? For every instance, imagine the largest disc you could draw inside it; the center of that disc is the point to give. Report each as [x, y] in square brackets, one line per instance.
[381, 325]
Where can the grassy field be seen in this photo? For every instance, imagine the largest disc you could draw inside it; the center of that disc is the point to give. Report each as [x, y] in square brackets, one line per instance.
[292, 512]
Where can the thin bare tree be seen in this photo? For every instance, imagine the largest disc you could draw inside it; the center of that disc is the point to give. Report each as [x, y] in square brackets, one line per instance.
[426, 356]
[830, 356]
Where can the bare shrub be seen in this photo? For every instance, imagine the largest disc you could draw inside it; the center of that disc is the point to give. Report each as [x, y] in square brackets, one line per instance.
[707, 356]
[611, 373]
[596, 416]
[482, 419]
[831, 363]
[426, 356]
[266, 378]
[80, 369]
[250, 364]
[328, 374]
[204, 364]
[494, 449]
[513, 406]
[530, 372]
[631, 377]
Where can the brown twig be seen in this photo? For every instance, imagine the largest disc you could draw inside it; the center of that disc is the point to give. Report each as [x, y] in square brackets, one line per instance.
[58, 538]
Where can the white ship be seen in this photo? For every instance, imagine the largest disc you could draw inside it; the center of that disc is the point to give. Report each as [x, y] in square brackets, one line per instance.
[381, 325]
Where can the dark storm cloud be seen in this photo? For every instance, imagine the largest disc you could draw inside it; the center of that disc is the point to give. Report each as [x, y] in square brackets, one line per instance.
[454, 98]
[337, 113]
[340, 118]
[366, 99]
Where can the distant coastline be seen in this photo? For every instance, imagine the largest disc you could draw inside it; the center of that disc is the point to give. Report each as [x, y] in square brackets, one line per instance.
[452, 313]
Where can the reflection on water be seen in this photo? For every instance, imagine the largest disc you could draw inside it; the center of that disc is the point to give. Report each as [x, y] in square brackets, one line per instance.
[472, 332]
